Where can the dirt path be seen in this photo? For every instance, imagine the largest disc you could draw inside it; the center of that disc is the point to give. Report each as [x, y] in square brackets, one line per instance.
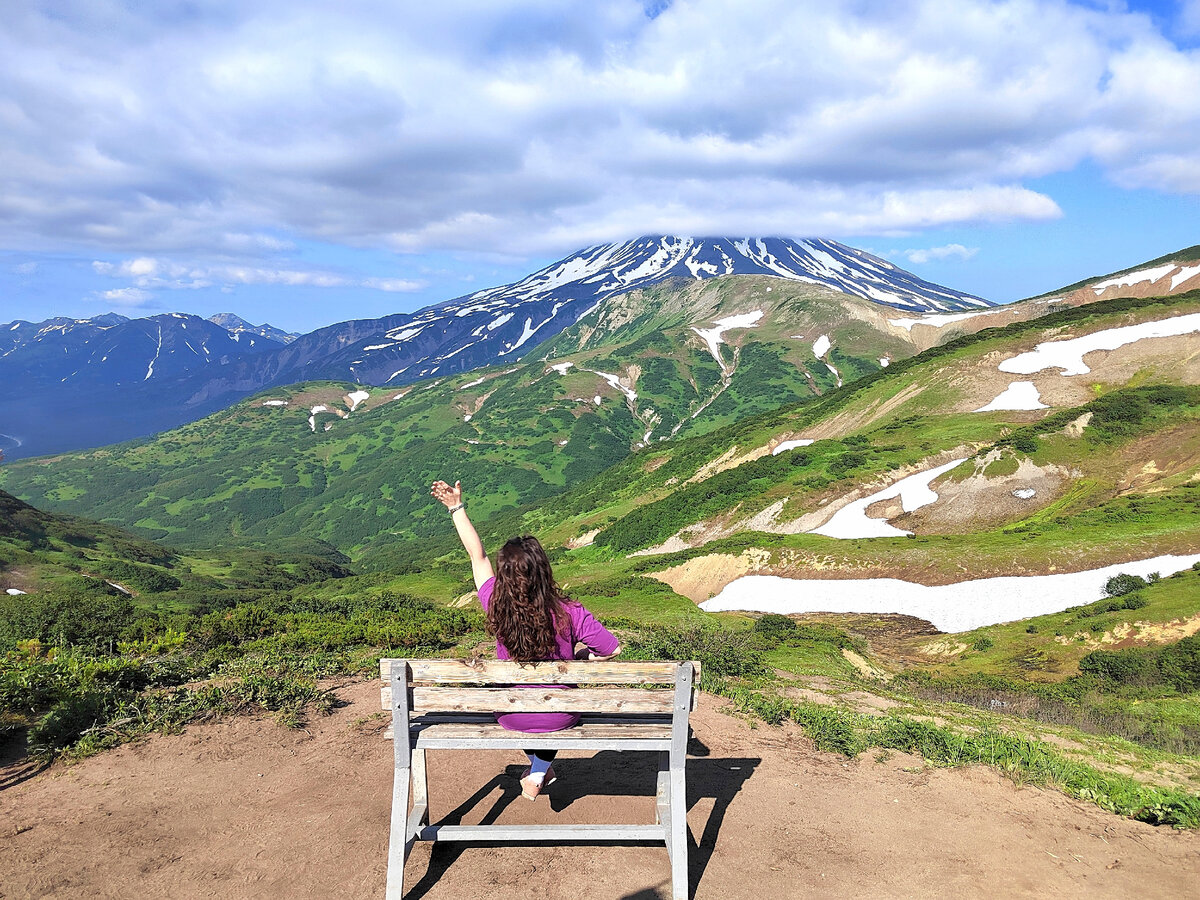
[245, 808]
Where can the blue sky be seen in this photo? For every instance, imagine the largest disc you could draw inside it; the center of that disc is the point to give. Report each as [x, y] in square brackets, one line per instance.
[305, 163]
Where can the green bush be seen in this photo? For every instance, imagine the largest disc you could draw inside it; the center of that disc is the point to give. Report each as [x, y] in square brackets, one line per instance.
[1025, 443]
[1121, 584]
[774, 627]
[85, 612]
[719, 651]
[1176, 666]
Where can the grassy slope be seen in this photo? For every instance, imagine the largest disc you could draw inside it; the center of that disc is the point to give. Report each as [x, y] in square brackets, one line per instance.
[1187, 254]
[647, 497]
[41, 552]
[278, 646]
[261, 474]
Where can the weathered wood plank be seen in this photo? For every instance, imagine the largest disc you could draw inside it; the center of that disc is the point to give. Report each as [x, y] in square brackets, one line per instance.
[677, 789]
[468, 730]
[543, 833]
[468, 736]
[597, 700]
[466, 671]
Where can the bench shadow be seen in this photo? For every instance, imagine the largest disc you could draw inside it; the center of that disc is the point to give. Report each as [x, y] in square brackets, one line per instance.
[16, 766]
[607, 773]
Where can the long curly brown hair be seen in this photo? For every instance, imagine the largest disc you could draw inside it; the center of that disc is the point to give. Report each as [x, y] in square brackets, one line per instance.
[526, 612]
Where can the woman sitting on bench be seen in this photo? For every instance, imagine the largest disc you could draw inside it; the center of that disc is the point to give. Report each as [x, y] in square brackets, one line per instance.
[531, 620]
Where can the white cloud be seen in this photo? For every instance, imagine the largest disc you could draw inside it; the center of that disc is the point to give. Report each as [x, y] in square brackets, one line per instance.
[393, 285]
[150, 272]
[231, 129]
[128, 296]
[25, 268]
[931, 254]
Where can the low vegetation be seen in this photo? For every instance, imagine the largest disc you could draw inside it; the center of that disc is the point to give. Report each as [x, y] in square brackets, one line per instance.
[259, 606]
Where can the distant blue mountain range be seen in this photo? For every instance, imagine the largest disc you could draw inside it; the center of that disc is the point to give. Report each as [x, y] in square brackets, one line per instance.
[71, 383]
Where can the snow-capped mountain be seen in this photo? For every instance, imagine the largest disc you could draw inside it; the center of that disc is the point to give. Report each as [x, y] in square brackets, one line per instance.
[506, 322]
[79, 382]
[113, 349]
[236, 325]
[75, 383]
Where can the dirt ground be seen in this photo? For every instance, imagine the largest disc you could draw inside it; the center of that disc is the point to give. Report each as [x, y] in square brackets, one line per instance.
[246, 808]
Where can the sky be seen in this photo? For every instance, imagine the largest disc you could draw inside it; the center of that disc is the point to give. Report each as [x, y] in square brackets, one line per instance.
[303, 163]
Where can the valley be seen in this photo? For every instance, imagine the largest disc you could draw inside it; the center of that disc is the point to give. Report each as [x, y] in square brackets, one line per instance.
[968, 536]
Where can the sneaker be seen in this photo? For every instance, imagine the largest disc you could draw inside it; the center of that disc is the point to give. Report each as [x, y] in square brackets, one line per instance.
[531, 788]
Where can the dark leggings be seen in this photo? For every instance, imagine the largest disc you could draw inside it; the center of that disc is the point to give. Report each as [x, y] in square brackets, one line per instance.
[546, 755]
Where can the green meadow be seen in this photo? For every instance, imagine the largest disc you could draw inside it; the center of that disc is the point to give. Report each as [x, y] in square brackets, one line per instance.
[248, 561]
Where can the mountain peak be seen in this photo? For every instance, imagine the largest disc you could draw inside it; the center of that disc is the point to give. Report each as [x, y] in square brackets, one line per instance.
[608, 269]
[235, 324]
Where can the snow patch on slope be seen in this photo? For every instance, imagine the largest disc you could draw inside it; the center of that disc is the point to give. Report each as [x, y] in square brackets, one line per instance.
[1018, 395]
[952, 608]
[851, 521]
[1151, 275]
[1068, 355]
[712, 336]
[791, 445]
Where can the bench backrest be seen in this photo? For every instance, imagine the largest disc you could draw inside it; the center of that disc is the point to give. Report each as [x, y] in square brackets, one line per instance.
[486, 686]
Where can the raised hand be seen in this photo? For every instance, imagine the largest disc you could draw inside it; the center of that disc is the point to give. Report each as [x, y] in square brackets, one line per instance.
[443, 493]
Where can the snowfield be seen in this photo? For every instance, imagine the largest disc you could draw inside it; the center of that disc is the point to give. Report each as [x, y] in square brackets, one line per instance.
[951, 607]
[712, 336]
[1068, 355]
[791, 445]
[357, 398]
[852, 521]
[940, 320]
[312, 419]
[1183, 275]
[1018, 395]
[1151, 275]
[615, 382]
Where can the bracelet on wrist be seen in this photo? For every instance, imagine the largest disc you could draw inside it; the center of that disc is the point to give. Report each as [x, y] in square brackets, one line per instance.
[457, 507]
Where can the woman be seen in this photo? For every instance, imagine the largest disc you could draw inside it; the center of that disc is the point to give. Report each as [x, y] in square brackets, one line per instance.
[531, 620]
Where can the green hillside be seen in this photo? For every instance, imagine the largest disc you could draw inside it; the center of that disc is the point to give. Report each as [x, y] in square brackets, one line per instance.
[261, 472]
[42, 553]
[119, 636]
[908, 413]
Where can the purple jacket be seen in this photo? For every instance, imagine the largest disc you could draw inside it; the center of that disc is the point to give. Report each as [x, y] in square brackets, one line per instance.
[584, 629]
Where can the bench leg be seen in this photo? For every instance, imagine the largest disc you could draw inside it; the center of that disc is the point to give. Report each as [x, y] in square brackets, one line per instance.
[398, 841]
[420, 811]
[662, 798]
[677, 832]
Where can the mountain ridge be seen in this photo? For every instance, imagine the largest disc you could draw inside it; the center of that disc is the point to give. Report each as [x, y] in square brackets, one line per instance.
[498, 324]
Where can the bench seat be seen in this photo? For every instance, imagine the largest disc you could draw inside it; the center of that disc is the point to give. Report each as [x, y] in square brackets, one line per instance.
[594, 732]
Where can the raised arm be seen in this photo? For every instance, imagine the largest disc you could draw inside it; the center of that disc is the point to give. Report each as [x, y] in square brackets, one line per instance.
[451, 497]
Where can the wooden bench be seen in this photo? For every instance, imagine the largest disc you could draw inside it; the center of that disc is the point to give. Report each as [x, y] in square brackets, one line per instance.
[449, 704]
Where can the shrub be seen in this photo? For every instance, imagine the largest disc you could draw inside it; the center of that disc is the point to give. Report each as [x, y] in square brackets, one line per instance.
[719, 651]
[1122, 584]
[774, 627]
[82, 614]
[1025, 443]
[983, 642]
